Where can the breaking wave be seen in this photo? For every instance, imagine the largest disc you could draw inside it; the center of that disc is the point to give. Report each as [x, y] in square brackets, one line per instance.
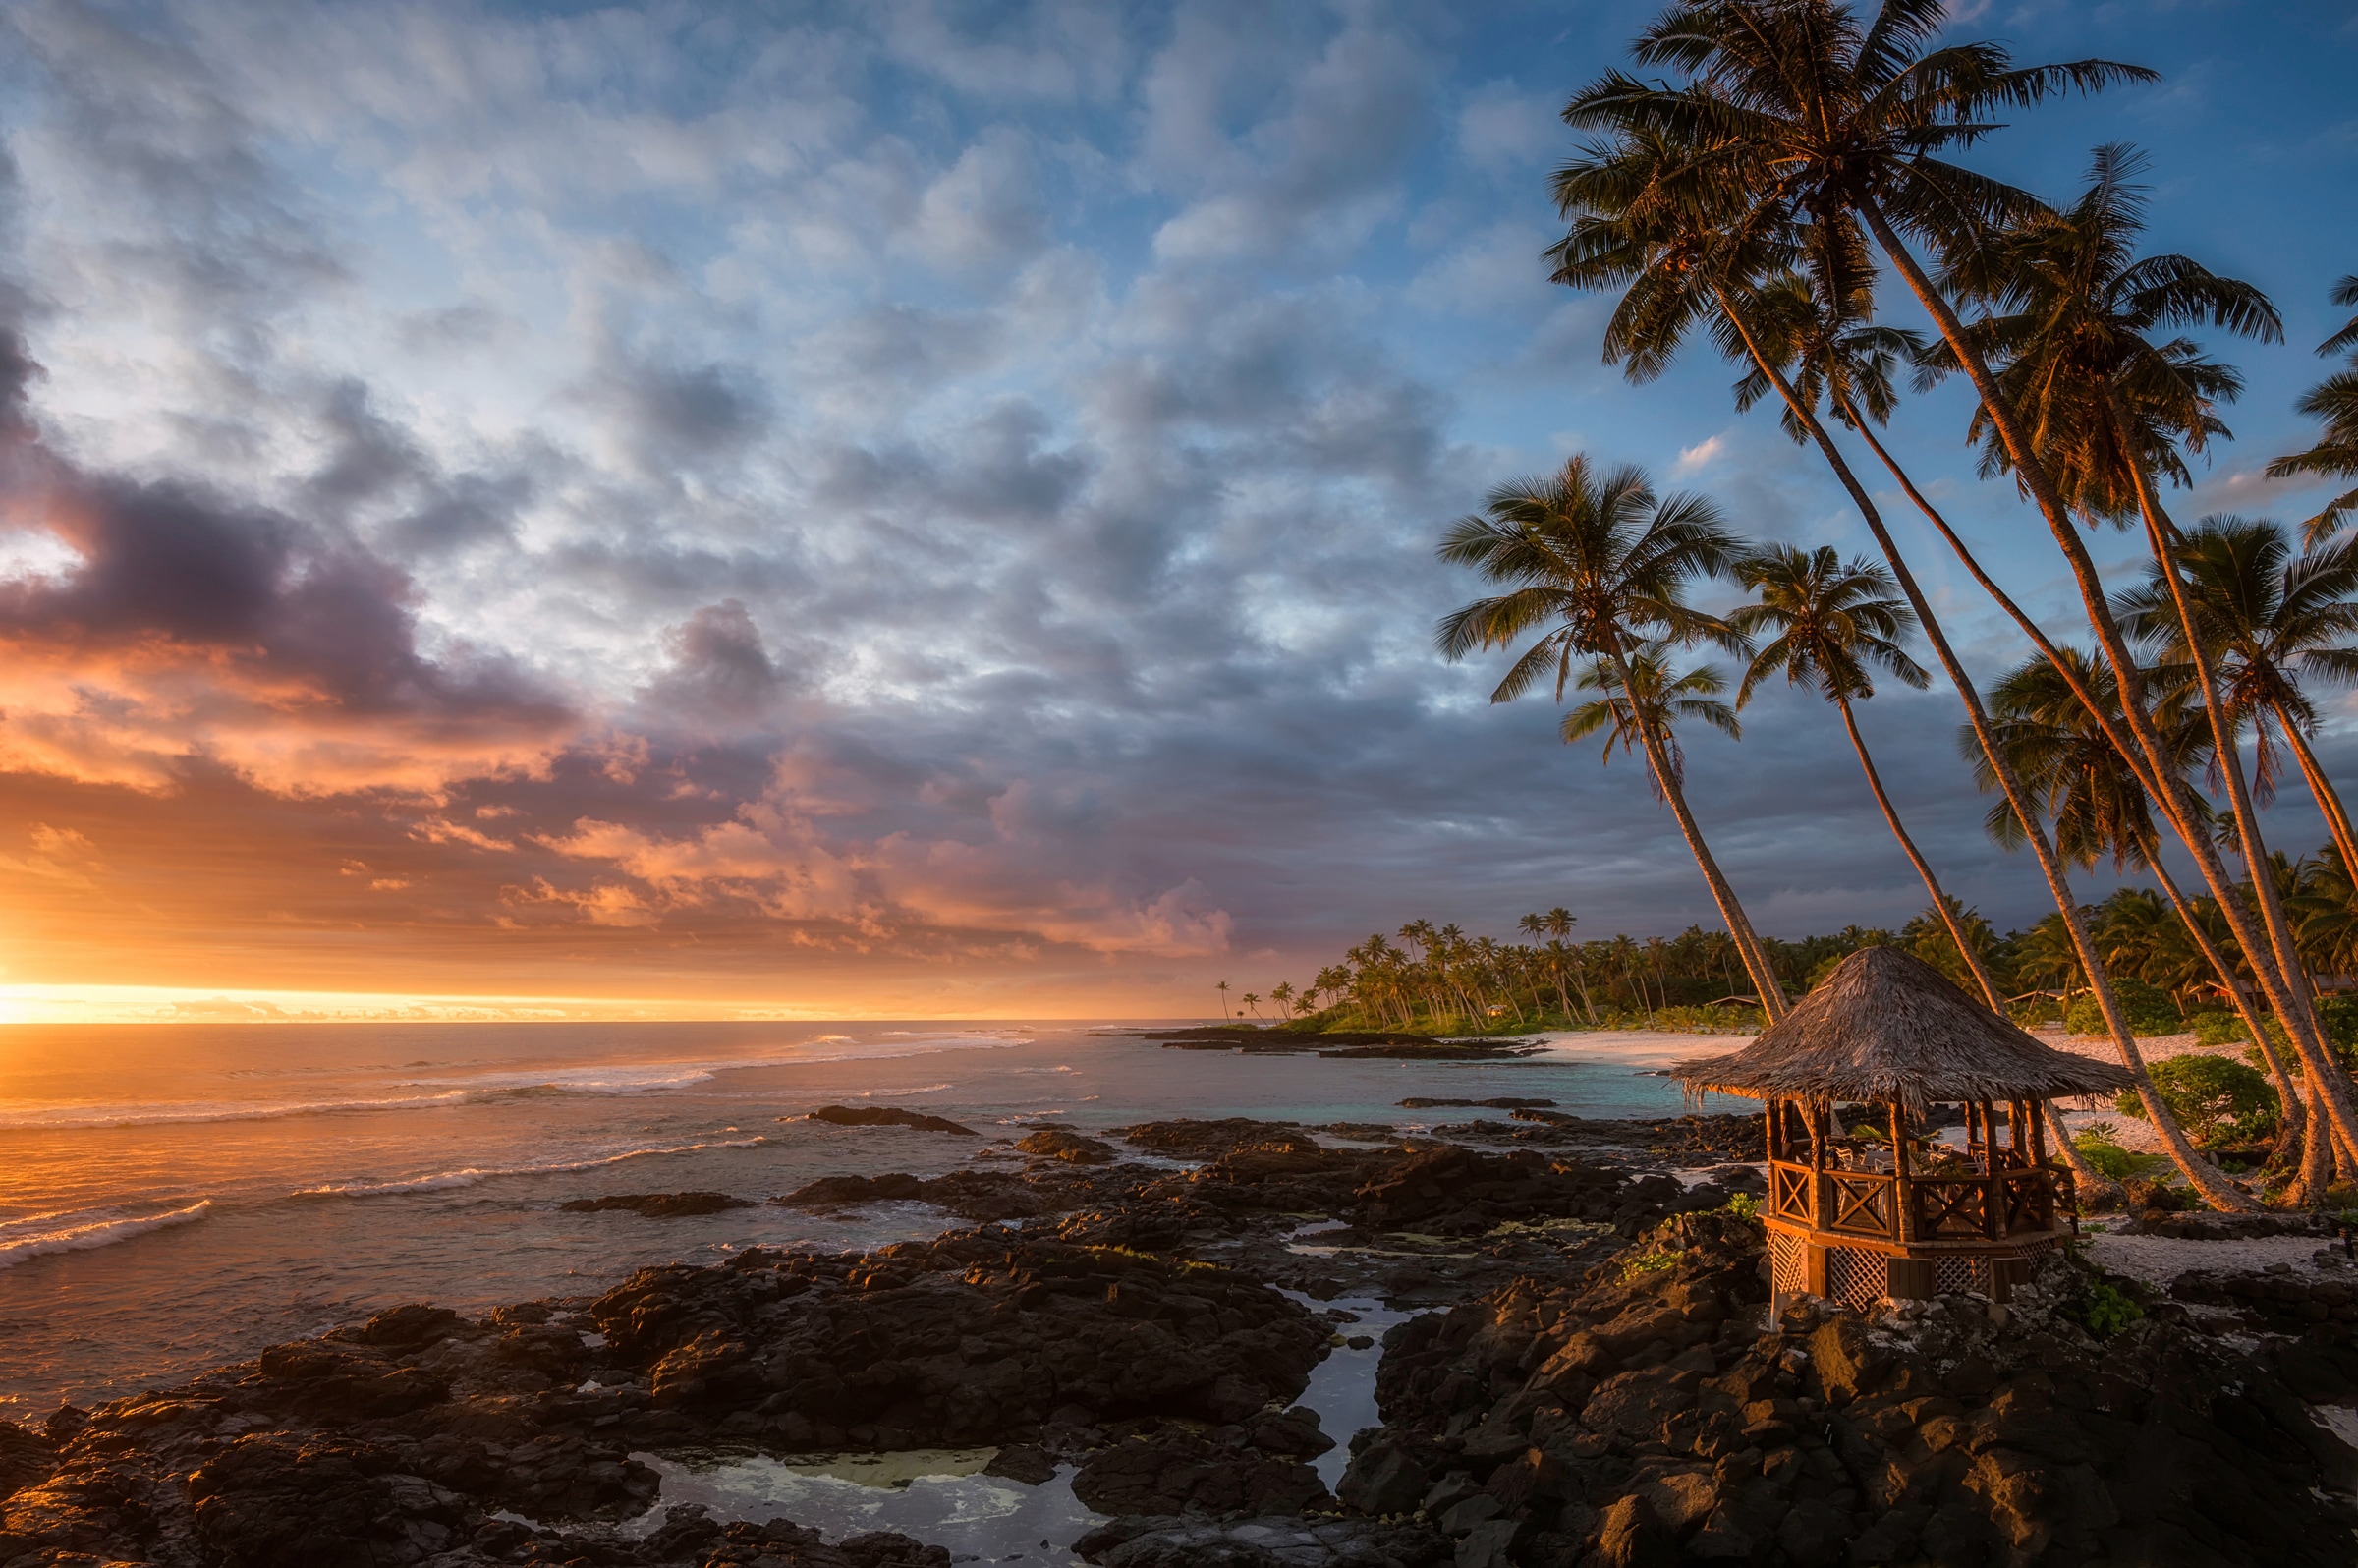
[82, 1229]
[445, 1180]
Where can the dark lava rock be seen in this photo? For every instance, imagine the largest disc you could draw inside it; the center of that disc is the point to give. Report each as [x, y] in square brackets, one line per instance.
[1717, 1137]
[882, 1116]
[26, 1457]
[977, 1337]
[1414, 1103]
[1639, 1415]
[1028, 1463]
[1062, 1143]
[983, 1197]
[1172, 1472]
[1279, 1541]
[829, 1191]
[1186, 1138]
[1462, 1190]
[1384, 1477]
[658, 1206]
[399, 1440]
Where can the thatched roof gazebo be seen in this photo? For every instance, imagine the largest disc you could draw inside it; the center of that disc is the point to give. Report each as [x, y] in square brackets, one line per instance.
[1882, 1210]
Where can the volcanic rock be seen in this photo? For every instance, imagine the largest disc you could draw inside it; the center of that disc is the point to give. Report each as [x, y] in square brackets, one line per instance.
[26, 1457]
[1280, 1542]
[1639, 1416]
[882, 1116]
[658, 1206]
[1062, 1143]
[1415, 1103]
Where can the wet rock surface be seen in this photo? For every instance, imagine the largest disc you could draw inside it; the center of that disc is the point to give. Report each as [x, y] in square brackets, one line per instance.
[658, 1206]
[1599, 1385]
[883, 1116]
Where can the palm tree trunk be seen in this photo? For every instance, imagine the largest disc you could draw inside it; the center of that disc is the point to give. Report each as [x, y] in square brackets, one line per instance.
[1932, 883]
[1756, 962]
[2322, 790]
[2092, 1187]
[2310, 1183]
[2204, 1177]
[2166, 786]
[2294, 1114]
[2327, 1081]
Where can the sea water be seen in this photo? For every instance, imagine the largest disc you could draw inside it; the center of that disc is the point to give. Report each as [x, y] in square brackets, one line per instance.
[174, 1197]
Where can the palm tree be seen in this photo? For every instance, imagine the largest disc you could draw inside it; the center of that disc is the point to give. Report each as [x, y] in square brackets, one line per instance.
[1810, 127]
[2070, 325]
[2334, 400]
[1222, 988]
[2271, 618]
[1640, 217]
[2098, 808]
[1826, 622]
[1603, 564]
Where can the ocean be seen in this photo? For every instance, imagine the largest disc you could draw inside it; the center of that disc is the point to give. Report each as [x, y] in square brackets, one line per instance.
[173, 1197]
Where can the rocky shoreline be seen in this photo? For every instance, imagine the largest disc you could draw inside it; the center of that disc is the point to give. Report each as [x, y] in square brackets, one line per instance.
[1589, 1379]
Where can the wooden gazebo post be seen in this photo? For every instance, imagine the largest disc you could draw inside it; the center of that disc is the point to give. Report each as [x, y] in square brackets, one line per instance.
[1904, 1223]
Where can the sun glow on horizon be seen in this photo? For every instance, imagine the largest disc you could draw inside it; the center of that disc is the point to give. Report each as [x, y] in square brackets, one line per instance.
[179, 1004]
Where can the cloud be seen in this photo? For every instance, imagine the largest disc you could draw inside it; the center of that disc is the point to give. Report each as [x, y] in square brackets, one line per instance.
[1311, 173]
[1501, 127]
[901, 490]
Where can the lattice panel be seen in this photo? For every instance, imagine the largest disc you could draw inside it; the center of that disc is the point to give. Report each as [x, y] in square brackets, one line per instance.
[1787, 1263]
[1953, 1277]
[1857, 1279]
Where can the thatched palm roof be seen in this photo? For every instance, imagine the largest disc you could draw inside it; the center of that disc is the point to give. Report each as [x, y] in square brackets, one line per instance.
[1885, 1025]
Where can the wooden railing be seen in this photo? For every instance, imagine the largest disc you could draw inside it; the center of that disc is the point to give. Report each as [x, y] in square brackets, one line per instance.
[2008, 1202]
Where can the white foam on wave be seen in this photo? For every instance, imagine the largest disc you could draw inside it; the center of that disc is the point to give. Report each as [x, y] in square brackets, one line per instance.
[38, 1118]
[445, 1180]
[643, 1078]
[82, 1229]
[447, 1087]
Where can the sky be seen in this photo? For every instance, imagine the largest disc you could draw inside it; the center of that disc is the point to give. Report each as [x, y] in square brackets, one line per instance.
[919, 509]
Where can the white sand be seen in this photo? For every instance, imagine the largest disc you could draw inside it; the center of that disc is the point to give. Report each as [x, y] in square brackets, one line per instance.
[2131, 1133]
[2159, 1260]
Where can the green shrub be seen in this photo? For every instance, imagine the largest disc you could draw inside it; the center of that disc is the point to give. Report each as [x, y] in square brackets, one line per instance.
[1648, 1264]
[2106, 1309]
[2338, 1017]
[2216, 1026]
[1744, 1206]
[2215, 1099]
[2148, 1009]
[2095, 1145]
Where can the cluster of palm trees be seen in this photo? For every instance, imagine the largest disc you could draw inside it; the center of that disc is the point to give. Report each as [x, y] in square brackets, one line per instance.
[1773, 165]
[1436, 979]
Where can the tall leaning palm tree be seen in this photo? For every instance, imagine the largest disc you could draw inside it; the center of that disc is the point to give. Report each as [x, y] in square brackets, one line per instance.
[1826, 625]
[1806, 115]
[2277, 621]
[2334, 400]
[1598, 566]
[2073, 326]
[2099, 810]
